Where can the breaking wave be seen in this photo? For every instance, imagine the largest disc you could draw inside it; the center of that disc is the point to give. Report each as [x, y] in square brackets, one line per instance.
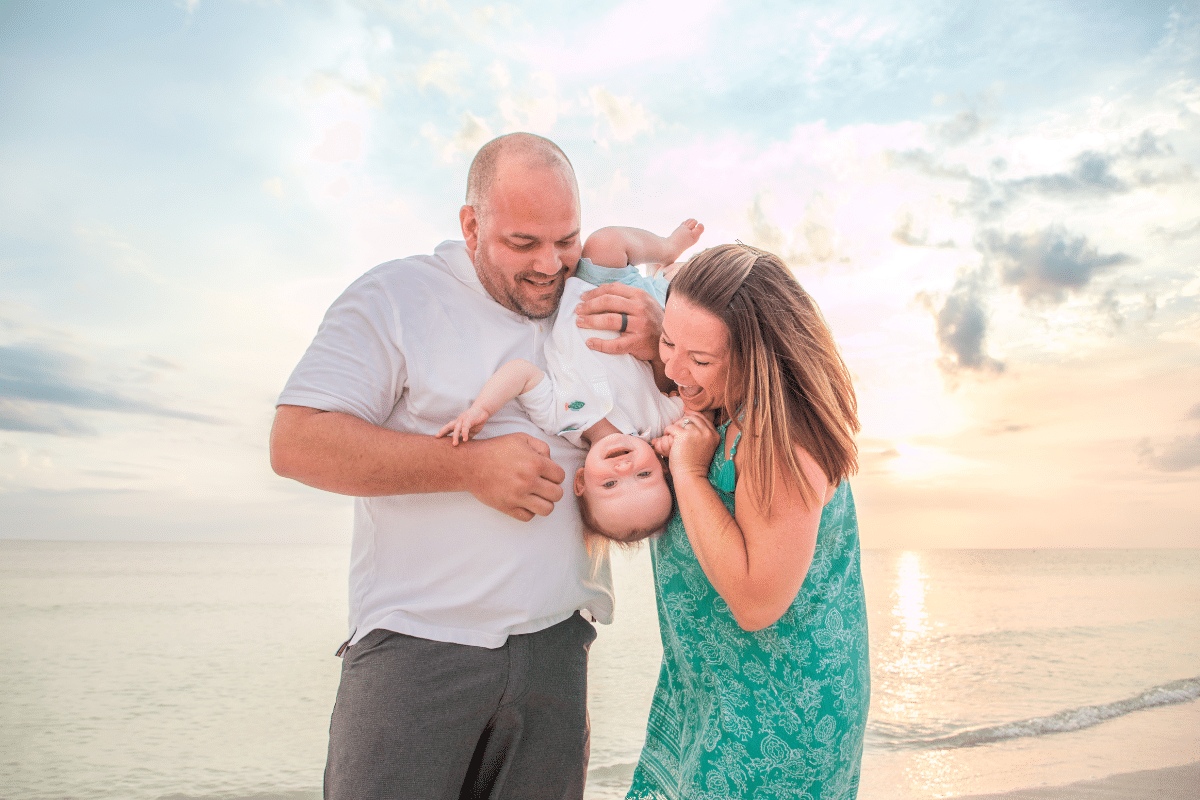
[1072, 719]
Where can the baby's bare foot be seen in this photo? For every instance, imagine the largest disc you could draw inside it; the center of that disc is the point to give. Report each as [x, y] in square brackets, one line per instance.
[683, 237]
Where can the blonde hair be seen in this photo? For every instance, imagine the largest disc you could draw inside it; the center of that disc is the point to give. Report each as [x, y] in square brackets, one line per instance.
[787, 382]
[593, 529]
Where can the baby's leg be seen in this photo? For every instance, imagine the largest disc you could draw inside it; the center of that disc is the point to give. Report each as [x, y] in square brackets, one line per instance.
[619, 247]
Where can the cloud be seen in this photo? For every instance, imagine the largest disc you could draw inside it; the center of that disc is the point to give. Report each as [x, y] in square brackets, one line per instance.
[962, 326]
[38, 380]
[1177, 455]
[1090, 173]
[625, 118]
[906, 233]
[31, 418]
[447, 71]
[1044, 264]
[958, 129]
[1003, 427]
[1177, 234]
[473, 133]
[814, 236]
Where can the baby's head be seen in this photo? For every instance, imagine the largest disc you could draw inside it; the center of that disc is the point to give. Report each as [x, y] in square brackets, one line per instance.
[623, 494]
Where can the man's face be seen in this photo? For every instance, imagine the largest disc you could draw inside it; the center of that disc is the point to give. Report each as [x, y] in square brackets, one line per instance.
[526, 242]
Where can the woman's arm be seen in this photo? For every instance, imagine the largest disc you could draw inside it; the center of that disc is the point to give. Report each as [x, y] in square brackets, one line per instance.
[755, 562]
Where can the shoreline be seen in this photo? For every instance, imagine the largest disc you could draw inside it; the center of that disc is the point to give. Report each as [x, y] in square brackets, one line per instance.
[1168, 783]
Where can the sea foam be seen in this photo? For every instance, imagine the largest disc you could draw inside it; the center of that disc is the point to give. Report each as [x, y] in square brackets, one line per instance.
[1071, 719]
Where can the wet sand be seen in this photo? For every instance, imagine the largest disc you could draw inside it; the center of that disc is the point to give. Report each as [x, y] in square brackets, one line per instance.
[1170, 783]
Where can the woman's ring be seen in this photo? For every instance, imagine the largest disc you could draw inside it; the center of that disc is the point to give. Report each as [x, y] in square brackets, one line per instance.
[685, 421]
[624, 322]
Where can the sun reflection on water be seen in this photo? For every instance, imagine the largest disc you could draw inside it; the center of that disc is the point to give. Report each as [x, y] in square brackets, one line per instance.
[912, 696]
[938, 773]
[910, 597]
[913, 659]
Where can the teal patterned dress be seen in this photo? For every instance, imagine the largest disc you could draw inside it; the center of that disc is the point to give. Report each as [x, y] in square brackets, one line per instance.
[776, 713]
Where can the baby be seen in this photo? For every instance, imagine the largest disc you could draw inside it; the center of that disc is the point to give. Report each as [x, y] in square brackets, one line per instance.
[609, 401]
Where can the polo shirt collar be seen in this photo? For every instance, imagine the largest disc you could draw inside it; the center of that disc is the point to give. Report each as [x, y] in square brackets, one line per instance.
[454, 255]
[458, 263]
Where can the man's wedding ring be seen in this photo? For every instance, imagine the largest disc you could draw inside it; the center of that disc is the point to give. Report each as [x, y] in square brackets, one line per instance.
[624, 322]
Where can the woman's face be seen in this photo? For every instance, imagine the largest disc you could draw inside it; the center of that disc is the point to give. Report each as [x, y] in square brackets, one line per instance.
[695, 349]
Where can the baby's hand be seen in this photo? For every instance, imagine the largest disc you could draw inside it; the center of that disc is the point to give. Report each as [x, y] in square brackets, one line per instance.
[662, 445]
[469, 423]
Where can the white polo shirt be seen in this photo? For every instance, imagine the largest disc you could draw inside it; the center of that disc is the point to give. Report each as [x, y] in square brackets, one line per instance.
[408, 347]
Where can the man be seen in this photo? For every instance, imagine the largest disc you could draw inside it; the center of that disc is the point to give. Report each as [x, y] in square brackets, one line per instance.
[465, 671]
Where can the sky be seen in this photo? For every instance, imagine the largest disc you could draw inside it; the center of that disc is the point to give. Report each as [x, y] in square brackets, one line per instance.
[997, 207]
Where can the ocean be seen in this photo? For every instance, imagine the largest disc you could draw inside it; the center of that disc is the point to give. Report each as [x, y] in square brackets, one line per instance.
[140, 671]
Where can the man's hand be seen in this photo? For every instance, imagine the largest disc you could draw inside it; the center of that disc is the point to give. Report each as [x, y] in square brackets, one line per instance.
[601, 309]
[514, 474]
[341, 453]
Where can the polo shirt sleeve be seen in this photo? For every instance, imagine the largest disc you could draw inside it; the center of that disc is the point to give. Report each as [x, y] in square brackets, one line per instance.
[354, 364]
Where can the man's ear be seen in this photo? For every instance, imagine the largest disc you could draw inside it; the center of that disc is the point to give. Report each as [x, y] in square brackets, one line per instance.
[470, 228]
[579, 481]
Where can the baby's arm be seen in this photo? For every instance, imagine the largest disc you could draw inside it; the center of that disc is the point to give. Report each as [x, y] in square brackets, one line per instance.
[619, 247]
[599, 431]
[514, 378]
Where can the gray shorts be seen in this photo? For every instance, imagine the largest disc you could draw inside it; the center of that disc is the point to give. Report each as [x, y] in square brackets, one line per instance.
[418, 719]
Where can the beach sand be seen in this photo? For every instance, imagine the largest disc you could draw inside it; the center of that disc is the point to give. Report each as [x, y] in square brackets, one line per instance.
[1170, 783]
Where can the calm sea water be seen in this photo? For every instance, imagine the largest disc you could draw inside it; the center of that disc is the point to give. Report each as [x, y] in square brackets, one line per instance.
[205, 671]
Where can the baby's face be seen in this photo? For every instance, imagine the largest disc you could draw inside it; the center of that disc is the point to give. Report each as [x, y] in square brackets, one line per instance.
[624, 484]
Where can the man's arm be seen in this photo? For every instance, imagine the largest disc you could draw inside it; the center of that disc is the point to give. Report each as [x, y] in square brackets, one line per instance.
[513, 379]
[341, 453]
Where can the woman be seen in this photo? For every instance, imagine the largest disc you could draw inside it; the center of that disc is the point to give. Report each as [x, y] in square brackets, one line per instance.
[765, 682]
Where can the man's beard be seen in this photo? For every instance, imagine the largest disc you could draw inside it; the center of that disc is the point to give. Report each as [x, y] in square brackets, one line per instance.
[509, 296]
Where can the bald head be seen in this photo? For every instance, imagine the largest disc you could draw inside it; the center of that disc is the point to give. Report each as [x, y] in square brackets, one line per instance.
[523, 151]
[520, 223]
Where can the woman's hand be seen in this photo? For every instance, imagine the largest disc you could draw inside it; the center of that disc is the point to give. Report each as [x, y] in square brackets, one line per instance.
[690, 443]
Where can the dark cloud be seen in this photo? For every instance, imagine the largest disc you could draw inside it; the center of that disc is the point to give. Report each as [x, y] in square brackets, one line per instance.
[959, 128]
[1090, 173]
[1177, 455]
[962, 326]
[1002, 427]
[1045, 264]
[157, 362]
[33, 418]
[1110, 306]
[1149, 146]
[927, 163]
[38, 381]
[1141, 161]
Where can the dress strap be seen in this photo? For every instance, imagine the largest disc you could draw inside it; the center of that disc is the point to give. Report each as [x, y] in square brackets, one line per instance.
[727, 474]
